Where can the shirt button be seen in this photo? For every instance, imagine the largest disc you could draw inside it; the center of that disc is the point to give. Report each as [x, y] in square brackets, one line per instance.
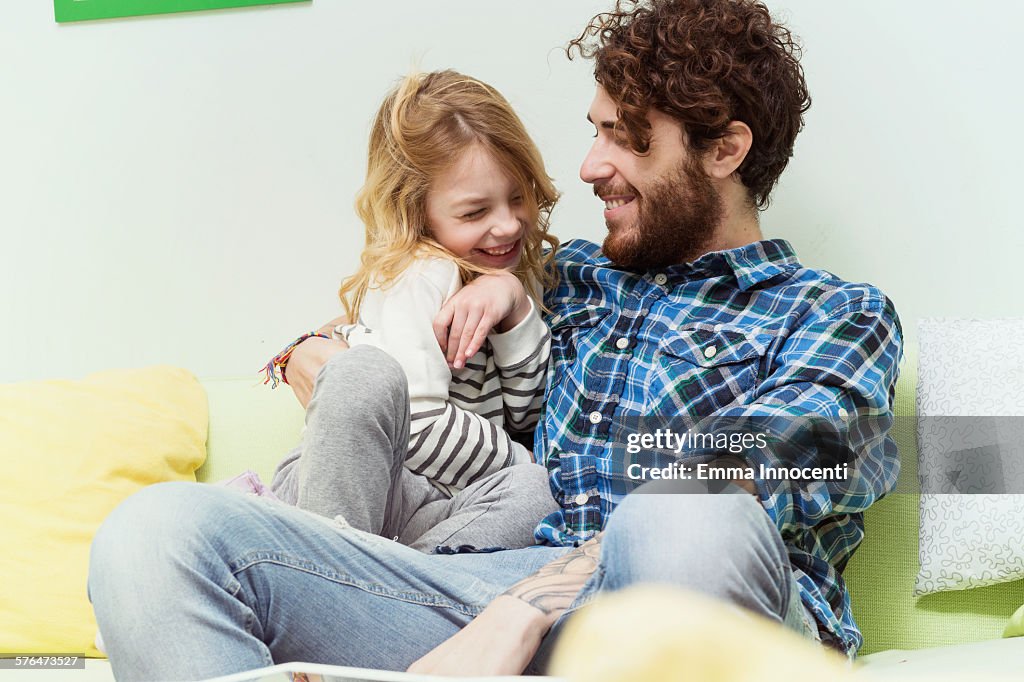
[595, 417]
[710, 352]
[660, 278]
[582, 498]
[622, 343]
[843, 413]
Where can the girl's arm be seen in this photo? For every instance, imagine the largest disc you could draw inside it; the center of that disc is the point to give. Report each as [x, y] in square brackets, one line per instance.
[521, 355]
[496, 308]
[451, 445]
[488, 303]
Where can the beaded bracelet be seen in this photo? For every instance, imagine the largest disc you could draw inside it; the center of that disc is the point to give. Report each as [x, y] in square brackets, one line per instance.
[280, 361]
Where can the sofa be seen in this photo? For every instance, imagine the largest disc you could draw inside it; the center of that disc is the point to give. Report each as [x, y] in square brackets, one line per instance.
[251, 427]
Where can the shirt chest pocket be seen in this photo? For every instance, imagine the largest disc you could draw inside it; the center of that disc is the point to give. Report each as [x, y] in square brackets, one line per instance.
[571, 329]
[699, 369]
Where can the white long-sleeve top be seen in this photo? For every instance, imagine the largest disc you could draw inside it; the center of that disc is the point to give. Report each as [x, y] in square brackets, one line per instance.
[460, 420]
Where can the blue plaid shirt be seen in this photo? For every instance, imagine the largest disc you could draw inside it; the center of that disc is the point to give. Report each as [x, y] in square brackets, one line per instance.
[748, 331]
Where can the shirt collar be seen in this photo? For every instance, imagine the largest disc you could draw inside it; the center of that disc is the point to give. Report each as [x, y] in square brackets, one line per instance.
[751, 264]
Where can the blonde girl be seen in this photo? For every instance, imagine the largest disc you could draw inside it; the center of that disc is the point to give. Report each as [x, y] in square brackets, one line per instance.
[456, 196]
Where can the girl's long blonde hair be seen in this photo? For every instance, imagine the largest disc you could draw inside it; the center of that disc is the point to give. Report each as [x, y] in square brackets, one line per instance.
[420, 130]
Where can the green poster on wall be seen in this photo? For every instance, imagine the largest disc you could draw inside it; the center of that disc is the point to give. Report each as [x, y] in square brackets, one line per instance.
[82, 10]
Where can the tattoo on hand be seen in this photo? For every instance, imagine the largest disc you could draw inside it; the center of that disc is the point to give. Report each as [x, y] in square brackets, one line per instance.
[554, 587]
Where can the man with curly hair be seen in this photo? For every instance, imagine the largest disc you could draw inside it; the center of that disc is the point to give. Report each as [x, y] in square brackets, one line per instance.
[685, 311]
[693, 314]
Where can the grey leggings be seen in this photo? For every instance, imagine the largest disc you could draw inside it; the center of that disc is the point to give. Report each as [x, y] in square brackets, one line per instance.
[351, 464]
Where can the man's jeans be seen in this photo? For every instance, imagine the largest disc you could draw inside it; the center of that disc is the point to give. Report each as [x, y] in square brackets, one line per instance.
[191, 581]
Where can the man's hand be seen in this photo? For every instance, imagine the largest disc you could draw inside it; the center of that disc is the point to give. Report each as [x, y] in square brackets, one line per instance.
[307, 359]
[500, 641]
[496, 301]
[506, 635]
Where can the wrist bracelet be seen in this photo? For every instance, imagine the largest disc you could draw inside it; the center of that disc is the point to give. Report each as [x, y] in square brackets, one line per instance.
[280, 361]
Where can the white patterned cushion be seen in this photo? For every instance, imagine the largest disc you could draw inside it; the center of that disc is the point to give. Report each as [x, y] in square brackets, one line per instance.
[971, 442]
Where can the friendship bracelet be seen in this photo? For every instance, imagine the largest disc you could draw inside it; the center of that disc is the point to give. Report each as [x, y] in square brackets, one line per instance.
[280, 361]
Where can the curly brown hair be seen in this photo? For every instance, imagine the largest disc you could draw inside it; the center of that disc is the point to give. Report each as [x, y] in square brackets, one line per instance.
[705, 63]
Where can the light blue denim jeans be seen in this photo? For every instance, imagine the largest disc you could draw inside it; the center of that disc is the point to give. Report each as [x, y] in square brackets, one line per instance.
[191, 581]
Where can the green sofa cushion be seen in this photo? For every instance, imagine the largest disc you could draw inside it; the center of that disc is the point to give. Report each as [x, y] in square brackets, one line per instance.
[251, 427]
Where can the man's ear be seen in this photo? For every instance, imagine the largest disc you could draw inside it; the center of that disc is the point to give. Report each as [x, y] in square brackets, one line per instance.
[728, 153]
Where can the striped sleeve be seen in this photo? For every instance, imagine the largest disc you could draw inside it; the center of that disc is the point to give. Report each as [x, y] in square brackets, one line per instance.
[452, 441]
[521, 356]
[453, 446]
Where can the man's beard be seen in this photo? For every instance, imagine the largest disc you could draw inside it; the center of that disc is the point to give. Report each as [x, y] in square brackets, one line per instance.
[676, 221]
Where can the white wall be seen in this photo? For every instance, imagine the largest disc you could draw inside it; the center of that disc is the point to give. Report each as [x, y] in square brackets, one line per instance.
[178, 189]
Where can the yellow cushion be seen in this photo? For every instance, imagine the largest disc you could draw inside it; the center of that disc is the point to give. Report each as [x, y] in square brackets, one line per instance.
[660, 633]
[1015, 628]
[72, 450]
